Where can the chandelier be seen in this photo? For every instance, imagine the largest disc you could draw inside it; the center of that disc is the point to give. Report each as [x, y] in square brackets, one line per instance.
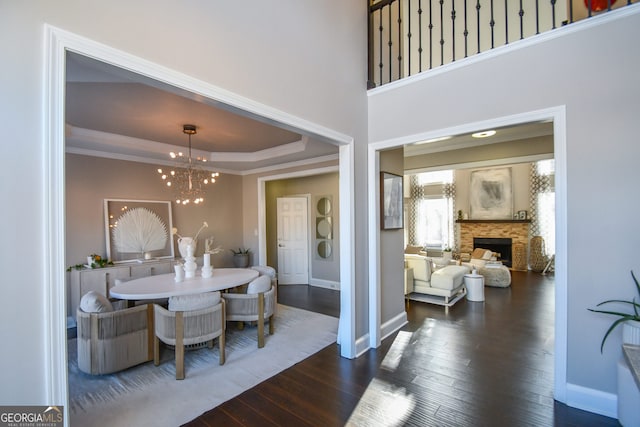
[187, 179]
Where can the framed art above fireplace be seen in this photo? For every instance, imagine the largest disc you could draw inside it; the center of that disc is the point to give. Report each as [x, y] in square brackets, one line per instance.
[490, 194]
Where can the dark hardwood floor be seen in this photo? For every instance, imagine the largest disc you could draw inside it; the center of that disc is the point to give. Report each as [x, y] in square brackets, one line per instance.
[481, 364]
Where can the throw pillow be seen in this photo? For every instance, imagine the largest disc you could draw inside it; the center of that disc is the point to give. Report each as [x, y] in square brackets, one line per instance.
[94, 302]
[194, 302]
[412, 249]
[478, 253]
[487, 255]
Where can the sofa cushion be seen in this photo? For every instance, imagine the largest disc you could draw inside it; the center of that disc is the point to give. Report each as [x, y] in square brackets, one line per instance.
[449, 278]
[193, 302]
[94, 302]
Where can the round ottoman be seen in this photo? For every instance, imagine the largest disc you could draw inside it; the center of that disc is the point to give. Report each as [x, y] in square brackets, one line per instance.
[498, 277]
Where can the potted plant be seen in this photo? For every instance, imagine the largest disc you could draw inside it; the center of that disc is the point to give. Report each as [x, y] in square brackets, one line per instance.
[241, 257]
[446, 253]
[630, 321]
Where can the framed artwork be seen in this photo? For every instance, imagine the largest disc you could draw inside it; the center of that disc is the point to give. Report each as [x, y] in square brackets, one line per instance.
[148, 229]
[490, 194]
[391, 212]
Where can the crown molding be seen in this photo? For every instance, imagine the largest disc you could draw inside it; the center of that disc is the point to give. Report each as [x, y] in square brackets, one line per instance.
[110, 145]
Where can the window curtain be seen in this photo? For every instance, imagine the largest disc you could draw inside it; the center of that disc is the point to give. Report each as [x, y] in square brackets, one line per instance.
[449, 194]
[419, 193]
[542, 201]
[416, 194]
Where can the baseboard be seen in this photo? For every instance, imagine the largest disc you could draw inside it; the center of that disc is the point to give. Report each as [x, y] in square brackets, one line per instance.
[321, 283]
[592, 400]
[362, 345]
[393, 324]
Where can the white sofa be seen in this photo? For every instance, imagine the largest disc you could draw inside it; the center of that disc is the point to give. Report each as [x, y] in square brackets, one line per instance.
[445, 284]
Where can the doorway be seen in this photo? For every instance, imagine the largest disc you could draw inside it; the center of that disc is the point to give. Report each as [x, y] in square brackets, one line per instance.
[557, 116]
[58, 43]
[293, 240]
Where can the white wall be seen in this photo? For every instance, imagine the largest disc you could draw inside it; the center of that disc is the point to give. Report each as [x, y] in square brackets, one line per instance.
[307, 59]
[591, 70]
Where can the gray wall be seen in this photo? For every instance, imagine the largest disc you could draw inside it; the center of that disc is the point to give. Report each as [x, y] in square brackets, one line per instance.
[391, 250]
[591, 73]
[226, 44]
[315, 186]
[90, 180]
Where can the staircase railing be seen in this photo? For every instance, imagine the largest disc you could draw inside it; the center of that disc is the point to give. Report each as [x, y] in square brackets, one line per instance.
[407, 37]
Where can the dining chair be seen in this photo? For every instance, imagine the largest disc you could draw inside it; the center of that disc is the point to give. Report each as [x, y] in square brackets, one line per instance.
[257, 304]
[265, 270]
[189, 320]
[112, 339]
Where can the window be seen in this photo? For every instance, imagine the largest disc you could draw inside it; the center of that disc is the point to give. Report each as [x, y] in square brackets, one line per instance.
[433, 222]
[431, 217]
[544, 204]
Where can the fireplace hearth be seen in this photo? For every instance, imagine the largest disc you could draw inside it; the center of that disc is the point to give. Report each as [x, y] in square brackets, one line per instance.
[502, 246]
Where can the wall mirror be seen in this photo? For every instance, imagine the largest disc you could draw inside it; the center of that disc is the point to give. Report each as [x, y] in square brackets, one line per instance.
[324, 249]
[324, 206]
[138, 229]
[324, 227]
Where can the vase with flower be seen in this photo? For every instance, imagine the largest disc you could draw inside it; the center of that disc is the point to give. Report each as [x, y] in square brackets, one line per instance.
[185, 242]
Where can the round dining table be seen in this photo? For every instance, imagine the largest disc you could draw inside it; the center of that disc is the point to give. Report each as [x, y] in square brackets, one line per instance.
[165, 286]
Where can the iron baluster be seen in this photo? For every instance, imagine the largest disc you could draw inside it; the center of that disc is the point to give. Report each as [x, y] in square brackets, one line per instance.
[420, 36]
[430, 35]
[453, 30]
[492, 24]
[506, 23]
[478, 23]
[441, 32]
[521, 13]
[409, 37]
[466, 31]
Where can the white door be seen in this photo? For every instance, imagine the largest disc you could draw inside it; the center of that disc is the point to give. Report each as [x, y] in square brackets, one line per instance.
[293, 241]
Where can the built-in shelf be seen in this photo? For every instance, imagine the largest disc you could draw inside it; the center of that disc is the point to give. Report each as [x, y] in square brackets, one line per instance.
[493, 221]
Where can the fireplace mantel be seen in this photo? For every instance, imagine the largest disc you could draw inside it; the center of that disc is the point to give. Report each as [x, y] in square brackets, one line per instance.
[493, 221]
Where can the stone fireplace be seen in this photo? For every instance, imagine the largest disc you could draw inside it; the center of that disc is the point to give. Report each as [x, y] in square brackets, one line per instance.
[517, 231]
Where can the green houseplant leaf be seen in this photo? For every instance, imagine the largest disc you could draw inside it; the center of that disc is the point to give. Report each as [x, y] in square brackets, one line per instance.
[622, 317]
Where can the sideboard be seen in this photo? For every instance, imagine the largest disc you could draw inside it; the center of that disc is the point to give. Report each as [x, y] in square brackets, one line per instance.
[103, 279]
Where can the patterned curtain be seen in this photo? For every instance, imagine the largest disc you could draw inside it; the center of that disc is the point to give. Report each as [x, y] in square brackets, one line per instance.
[449, 193]
[417, 194]
[542, 201]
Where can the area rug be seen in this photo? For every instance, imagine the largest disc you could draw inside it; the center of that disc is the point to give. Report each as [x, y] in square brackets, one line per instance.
[149, 395]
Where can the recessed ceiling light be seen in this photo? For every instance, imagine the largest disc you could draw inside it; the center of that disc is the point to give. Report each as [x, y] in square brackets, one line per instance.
[429, 141]
[484, 134]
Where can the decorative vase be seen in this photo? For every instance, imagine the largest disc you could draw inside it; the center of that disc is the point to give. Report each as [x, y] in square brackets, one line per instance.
[207, 268]
[598, 5]
[183, 243]
[241, 260]
[190, 265]
[179, 272]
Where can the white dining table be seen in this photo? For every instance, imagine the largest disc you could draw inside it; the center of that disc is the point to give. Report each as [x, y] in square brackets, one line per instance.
[165, 286]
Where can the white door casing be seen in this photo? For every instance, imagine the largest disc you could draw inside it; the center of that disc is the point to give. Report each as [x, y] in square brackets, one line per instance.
[293, 240]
